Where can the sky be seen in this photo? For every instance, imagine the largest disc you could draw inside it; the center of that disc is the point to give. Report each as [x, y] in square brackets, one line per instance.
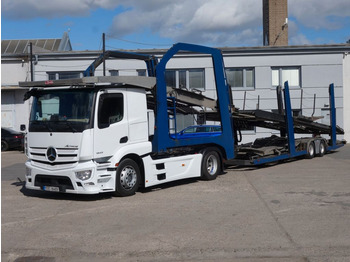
[147, 24]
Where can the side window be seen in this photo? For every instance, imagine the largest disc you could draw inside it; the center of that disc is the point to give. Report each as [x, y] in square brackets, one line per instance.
[190, 130]
[241, 78]
[64, 75]
[186, 79]
[282, 74]
[110, 109]
[201, 129]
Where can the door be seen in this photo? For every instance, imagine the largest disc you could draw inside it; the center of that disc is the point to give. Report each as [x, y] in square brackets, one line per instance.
[8, 109]
[111, 124]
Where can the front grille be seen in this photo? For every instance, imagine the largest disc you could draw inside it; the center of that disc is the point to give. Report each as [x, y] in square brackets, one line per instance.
[58, 181]
[66, 157]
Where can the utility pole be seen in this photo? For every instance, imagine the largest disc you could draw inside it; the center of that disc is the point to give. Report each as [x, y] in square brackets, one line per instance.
[31, 61]
[104, 50]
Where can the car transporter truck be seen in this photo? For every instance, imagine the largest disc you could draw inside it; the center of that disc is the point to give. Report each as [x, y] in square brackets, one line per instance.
[99, 134]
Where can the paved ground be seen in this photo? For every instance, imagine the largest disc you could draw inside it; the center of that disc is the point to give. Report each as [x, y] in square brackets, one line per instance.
[295, 211]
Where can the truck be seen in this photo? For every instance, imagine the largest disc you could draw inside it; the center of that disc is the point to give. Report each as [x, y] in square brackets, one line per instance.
[99, 134]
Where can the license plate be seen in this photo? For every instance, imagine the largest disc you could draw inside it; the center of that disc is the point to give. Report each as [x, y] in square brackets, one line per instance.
[51, 188]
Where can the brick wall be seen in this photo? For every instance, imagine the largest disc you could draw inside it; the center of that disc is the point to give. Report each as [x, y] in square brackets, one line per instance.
[275, 31]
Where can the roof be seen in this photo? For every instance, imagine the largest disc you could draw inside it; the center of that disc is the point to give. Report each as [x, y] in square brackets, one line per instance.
[117, 81]
[226, 51]
[39, 45]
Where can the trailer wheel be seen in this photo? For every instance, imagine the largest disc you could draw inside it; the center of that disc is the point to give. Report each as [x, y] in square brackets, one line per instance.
[127, 178]
[310, 150]
[211, 165]
[322, 149]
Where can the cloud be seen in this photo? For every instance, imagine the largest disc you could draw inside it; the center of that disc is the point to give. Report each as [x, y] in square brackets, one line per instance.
[299, 39]
[222, 22]
[218, 22]
[210, 22]
[320, 14]
[28, 9]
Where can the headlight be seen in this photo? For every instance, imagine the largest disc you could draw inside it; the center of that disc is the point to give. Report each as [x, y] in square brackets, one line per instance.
[28, 171]
[83, 175]
[25, 145]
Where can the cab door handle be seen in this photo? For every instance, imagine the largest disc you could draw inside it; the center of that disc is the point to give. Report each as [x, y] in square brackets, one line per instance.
[123, 140]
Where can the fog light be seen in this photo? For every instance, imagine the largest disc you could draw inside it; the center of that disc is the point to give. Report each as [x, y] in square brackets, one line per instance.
[103, 180]
[83, 175]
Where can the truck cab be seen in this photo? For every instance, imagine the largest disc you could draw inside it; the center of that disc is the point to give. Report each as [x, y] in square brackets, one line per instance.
[79, 133]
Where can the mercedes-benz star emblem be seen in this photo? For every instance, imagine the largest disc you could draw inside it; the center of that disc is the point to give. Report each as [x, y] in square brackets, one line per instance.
[51, 154]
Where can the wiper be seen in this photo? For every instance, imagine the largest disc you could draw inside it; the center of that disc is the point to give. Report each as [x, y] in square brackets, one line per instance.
[70, 126]
[46, 124]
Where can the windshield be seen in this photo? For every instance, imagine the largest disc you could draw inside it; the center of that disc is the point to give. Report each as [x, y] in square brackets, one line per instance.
[61, 110]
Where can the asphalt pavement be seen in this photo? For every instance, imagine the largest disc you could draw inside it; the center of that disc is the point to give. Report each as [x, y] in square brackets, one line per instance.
[293, 211]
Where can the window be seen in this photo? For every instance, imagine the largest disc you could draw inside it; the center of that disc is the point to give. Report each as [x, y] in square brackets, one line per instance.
[170, 78]
[61, 110]
[196, 79]
[141, 72]
[240, 78]
[182, 79]
[114, 72]
[282, 74]
[185, 79]
[110, 109]
[64, 75]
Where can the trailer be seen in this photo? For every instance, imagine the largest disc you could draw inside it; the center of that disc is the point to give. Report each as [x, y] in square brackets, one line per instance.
[101, 134]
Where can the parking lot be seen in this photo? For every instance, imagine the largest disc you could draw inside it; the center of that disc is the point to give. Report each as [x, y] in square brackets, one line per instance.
[293, 211]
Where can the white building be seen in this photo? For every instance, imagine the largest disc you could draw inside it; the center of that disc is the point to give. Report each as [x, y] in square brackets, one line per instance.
[253, 73]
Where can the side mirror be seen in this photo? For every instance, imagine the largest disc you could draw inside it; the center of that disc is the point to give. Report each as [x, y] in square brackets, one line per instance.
[23, 127]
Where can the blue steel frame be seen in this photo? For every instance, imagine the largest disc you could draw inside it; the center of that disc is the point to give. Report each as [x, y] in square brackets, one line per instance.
[290, 133]
[290, 129]
[333, 131]
[162, 140]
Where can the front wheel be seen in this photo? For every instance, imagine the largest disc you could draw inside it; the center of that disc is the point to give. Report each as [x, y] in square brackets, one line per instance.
[211, 165]
[127, 178]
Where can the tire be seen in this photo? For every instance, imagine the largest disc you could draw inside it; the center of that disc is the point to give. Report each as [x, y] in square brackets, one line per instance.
[211, 165]
[321, 149]
[310, 150]
[127, 178]
[4, 145]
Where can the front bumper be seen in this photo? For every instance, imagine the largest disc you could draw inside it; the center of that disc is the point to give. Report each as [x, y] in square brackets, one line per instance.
[65, 181]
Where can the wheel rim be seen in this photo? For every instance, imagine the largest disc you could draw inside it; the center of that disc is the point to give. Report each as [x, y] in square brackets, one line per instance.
[128, 177]
[311, 149]
[322, 148]
[212, 165]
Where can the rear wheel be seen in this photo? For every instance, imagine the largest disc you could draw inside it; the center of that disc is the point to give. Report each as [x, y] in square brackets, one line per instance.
[4, 145]
[211, 165]
[127, 178]
[321, 149]
[310, 150]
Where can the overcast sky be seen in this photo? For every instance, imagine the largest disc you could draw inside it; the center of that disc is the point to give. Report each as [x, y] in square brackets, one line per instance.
[133, 24]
